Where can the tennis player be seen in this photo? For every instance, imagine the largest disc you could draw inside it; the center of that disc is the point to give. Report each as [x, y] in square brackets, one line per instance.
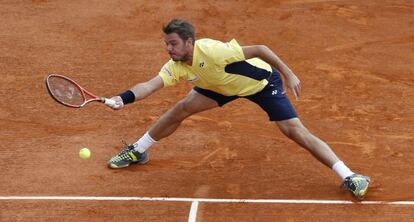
[222, 72]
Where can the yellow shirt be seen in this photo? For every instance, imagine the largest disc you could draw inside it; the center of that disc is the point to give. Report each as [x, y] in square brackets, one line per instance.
[219, 67]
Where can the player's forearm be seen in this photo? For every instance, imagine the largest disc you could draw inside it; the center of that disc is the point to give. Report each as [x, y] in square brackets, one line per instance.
[139, 91]
[142, 90]
[270, 57]
[292, 81]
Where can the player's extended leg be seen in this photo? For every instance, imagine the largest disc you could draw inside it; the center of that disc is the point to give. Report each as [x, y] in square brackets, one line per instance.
[294, 129]
[193, 103]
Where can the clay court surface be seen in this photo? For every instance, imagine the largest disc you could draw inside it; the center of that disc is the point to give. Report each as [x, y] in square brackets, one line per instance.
[356, 63]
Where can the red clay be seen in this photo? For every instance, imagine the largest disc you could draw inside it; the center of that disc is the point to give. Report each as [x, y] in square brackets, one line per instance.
[355, 61]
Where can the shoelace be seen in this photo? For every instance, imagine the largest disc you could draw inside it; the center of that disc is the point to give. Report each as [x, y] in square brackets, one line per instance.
[354, 184]
[124, 154]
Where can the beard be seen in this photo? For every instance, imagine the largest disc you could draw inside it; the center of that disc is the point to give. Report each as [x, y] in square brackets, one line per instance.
[182, 58]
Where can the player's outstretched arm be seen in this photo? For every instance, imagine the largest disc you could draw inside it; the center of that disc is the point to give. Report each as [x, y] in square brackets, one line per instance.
[138, 92]
[267, 55]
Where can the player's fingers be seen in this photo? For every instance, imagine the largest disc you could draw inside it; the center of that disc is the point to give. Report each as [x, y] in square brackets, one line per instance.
[298, 90]
[120, 104]
[114, 103]
[109, 102]
[295, 93]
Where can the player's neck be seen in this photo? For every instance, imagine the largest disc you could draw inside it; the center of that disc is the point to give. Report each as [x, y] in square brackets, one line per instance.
[189, 59]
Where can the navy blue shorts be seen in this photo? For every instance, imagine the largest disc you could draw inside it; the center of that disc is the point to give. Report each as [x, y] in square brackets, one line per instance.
[271, 99]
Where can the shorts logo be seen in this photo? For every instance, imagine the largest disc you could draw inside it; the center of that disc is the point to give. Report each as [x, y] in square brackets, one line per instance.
[274, 92]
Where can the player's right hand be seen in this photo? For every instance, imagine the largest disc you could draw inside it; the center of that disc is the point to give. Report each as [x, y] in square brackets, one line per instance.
[119, 104]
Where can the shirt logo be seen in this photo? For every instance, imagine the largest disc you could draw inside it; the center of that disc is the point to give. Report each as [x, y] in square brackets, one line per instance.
[168, 71]
[201, 64]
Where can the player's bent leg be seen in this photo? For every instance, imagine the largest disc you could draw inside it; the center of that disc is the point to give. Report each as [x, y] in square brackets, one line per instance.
[193, 103]
[294, 129]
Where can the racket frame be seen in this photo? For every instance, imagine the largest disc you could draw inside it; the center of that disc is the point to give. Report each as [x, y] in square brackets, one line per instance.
[83, 91]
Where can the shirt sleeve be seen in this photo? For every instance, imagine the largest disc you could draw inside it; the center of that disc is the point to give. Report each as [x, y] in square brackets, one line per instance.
[228, 52]
[169, 74]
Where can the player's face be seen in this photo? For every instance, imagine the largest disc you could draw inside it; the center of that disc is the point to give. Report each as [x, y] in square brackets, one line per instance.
[178, 49]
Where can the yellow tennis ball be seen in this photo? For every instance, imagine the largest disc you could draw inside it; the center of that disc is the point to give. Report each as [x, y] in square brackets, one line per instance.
[84, 153]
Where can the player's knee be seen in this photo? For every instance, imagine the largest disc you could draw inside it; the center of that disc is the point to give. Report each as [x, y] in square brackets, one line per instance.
[187, 108]
[180, 111]
[296, 132]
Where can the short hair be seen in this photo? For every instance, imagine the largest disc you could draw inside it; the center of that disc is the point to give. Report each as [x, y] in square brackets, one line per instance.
[183, 29]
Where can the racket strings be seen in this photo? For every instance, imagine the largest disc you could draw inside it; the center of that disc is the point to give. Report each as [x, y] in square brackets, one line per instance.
[65, 91]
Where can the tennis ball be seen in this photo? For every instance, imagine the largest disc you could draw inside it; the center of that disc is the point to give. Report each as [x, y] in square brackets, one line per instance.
[84, 153]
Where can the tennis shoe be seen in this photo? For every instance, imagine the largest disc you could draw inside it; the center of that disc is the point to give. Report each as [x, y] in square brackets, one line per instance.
[357, 184]
[127, 156]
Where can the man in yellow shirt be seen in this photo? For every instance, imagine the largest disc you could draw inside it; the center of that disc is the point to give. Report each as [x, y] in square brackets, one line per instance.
[222, 72]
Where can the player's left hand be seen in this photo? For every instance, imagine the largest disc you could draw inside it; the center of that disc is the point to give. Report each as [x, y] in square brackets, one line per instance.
[293, 83]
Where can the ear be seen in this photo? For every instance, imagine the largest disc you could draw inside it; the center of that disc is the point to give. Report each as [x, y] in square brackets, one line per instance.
[189, 41]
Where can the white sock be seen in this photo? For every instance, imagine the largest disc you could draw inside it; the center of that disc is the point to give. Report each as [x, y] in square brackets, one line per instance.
[144, 143]
[342, 170]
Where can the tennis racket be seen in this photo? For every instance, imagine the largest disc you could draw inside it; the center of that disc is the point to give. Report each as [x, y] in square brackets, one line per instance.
[67, 92]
